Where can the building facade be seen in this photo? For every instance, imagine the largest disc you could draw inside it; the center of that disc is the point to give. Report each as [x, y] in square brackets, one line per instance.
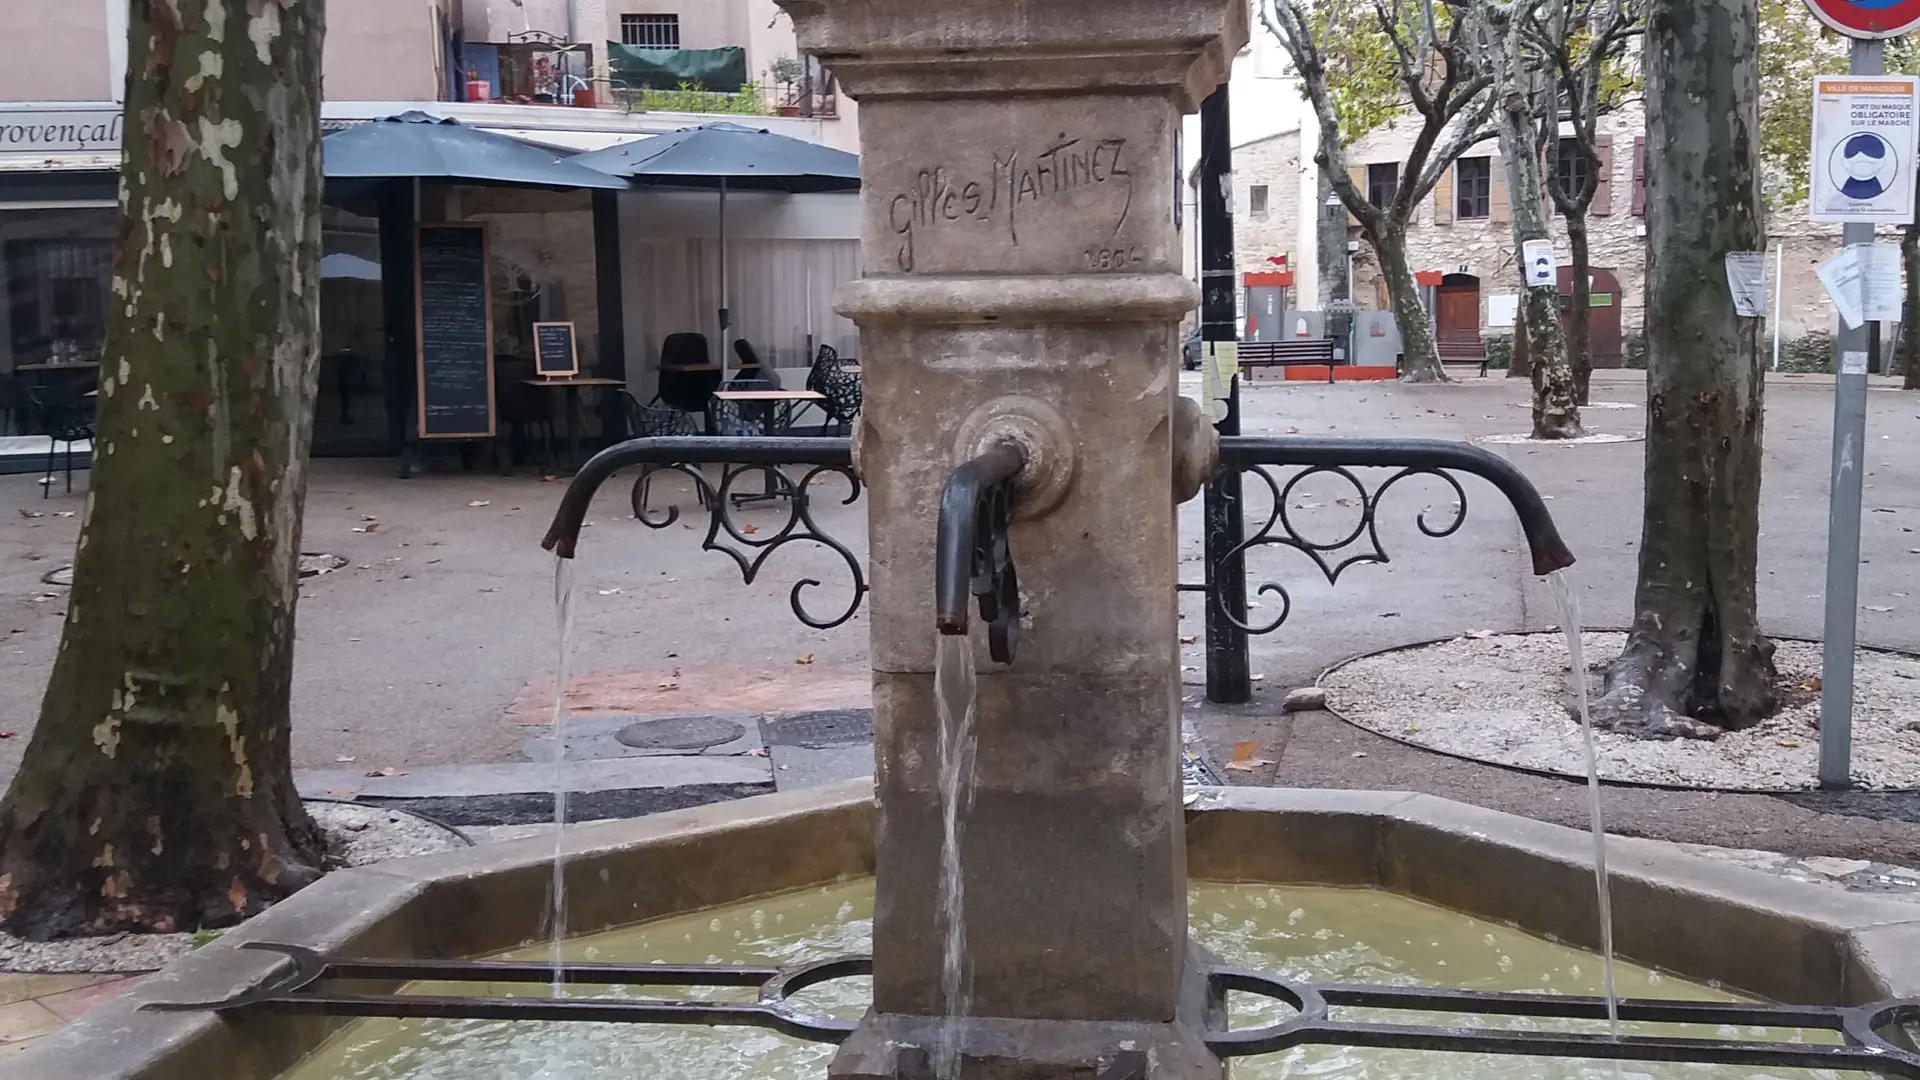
[60, 117]
[1463, 232]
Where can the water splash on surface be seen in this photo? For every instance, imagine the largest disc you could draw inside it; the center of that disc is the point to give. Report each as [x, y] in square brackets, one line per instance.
[1568, 607]
[557, 891]
[954, 686]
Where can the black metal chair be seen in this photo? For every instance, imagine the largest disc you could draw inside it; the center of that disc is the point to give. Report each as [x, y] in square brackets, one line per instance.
[65, 415]
[653, 422]
[526, 410]
[841, 388]
[756, 418]
[688, 376]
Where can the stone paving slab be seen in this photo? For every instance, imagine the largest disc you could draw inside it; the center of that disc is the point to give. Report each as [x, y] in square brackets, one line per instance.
[615, 774]
[803, 766]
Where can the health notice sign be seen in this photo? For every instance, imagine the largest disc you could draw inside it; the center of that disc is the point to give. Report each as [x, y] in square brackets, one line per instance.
[1863, 149]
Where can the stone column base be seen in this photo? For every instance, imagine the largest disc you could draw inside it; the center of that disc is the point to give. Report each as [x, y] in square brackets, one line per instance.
[892, 1046]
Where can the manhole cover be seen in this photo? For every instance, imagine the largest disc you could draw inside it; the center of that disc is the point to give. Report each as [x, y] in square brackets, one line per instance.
[679, 733]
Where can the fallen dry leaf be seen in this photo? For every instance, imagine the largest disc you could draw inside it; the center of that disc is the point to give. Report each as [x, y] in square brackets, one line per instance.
[481, 502]
[46, 596]
[1293, 431]
[1187, 639]
[343, 759]
[758, 751]
[343, 793]
[31, 514]
[610, 592]
[669, 685]
[749, 529]
[1878, 607]
[388, 771]
[369, 527]
[64, 513]
[807, 659]
[1243, 759]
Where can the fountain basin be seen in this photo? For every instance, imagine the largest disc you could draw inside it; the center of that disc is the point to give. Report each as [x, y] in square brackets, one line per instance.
[1778, 939]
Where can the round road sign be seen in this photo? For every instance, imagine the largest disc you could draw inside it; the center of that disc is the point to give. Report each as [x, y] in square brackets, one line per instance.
[1868, 18]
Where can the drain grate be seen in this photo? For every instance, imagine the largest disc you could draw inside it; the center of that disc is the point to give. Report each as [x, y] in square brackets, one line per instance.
[820, 730]
[679, 733]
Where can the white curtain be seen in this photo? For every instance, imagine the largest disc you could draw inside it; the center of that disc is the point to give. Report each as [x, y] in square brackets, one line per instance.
[779, 292]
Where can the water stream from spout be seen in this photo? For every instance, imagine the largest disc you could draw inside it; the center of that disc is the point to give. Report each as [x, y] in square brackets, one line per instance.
[954, 687]
[1568, 607]
[557, 907]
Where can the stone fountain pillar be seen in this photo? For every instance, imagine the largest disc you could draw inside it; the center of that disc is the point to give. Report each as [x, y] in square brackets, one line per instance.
[1023, 276]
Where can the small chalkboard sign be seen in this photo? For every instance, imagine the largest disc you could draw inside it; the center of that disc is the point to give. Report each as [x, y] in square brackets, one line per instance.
[454, 324]
[554, 353]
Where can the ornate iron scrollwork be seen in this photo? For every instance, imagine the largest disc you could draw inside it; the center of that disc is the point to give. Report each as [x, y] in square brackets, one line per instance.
[750, 548]
[748, 545]
[1360, 544]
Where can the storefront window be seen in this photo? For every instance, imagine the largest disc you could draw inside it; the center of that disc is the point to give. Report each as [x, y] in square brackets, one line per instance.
[359, 397]
[56, 269]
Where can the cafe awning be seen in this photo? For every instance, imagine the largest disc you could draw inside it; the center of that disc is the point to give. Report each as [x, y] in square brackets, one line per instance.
[417, 145]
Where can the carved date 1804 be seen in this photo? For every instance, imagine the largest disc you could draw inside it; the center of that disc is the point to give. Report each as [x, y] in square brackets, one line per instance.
[939, 196]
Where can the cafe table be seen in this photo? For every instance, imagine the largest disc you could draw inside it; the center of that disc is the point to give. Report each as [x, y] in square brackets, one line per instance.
[784, 403]
[570, 386]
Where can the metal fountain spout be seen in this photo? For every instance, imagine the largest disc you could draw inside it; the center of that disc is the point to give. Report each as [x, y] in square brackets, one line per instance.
[971, 556]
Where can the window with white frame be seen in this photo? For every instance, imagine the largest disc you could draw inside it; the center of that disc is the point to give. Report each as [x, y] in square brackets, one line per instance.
[650, 31]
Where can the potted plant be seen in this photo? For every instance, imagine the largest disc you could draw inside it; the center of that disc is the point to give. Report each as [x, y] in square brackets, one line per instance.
[787, 72]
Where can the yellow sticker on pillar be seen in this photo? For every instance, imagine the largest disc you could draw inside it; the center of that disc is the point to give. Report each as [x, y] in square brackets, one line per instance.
[1219, 363]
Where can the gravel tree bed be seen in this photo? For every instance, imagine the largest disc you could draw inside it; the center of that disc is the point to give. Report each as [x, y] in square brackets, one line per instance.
[1507, 699]
[356, 836]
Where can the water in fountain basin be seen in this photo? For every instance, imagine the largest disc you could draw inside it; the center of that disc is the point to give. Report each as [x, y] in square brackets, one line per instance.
[1568, 607]
[953, 692]
[557, 905]
[1306, 931]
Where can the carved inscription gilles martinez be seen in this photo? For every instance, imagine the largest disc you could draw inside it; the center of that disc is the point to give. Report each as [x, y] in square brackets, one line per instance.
[939, 197]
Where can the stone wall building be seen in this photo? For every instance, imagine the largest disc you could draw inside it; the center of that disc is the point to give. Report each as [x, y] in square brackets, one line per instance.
[1463, 231]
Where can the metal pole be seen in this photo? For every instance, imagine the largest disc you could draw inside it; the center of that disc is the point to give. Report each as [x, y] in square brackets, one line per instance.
[1779, 258]
[1843, 511]
[723, 276]
[1228, 666]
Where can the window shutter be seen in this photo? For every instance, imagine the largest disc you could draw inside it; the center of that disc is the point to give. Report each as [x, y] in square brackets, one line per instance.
[1498, 209]
[1640, 176]
[1603, 191]
[1357, 174]
[1443, 197]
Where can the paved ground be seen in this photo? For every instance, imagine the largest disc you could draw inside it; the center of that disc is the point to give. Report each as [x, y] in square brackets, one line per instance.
[436, 644]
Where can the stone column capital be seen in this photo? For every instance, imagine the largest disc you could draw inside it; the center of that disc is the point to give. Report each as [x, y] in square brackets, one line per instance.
[882, 49]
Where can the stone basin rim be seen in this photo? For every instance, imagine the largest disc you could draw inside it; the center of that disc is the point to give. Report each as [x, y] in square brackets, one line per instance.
[1779, 939]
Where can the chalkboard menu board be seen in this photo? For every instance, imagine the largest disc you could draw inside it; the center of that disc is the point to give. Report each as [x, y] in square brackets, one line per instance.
[455, 332]
[554, 351]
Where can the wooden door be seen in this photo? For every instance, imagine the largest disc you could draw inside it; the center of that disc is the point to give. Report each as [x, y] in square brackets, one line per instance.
[1458, 314]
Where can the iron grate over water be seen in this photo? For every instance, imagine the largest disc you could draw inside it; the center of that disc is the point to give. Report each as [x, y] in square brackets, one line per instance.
[1863, 1047]
[820, 729]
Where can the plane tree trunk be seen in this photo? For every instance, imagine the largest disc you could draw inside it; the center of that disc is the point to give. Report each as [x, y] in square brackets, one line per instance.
[1695, 661]
[157, 791]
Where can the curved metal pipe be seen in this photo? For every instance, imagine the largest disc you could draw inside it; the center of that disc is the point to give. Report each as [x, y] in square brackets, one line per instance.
[564, 534]
[1543, 539]
[960, 505]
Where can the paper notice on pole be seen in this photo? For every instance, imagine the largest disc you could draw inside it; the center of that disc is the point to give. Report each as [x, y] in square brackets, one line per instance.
[1864, 282]
[1880, 282]
[1853, 363]
[1841, 275]
[1537, 257]
[1747, 281]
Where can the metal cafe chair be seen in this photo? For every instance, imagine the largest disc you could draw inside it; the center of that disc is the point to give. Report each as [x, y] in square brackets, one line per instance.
[652, 422]
[65, 415]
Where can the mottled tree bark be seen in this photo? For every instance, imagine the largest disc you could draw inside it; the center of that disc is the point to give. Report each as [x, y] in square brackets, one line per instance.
[1580, 318]
[157, 791]
[1555, 416]
[1695, 660]
[1419, 352]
